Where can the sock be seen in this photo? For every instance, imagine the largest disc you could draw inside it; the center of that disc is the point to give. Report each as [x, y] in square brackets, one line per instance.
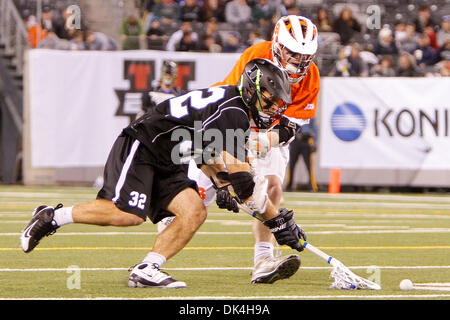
[63, 216]
[262, 250]
[153, 257]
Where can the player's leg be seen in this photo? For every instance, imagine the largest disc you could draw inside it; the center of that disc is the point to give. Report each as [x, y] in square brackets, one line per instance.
[268, 268]
[182, 229]
[205, 189]
[171, 192]
[103, 211]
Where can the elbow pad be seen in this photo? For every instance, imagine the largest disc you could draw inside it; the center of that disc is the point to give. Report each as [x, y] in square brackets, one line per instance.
[242, 183]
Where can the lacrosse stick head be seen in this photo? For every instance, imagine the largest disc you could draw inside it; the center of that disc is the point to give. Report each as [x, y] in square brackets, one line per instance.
[347, 280]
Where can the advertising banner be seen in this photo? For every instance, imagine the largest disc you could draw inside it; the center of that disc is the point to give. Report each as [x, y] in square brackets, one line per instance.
[385, 123]
[80, 101]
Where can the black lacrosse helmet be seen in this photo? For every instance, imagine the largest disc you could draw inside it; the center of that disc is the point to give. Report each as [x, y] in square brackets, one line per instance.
[260, 75]
[169, 68]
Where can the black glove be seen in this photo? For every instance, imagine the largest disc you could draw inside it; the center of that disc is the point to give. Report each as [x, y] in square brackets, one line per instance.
[285, 230]
[224, 200]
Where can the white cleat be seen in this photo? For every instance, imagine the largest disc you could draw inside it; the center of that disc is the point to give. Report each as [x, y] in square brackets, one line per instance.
[269, 270]
[164, 223]
[146, 275]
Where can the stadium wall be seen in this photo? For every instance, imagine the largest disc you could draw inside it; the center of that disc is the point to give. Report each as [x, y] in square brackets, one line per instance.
[378, 131]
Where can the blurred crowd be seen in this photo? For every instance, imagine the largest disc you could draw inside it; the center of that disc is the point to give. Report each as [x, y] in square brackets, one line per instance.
[417, 45]
[56, 30]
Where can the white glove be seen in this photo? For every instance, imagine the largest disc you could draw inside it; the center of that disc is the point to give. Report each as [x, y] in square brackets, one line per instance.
[259, 144]
[260, 197]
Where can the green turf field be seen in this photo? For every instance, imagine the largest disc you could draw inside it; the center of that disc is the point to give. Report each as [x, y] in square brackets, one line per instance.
[385, 238]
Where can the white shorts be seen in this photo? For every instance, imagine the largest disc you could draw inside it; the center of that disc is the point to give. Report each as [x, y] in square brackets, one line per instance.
[274, 164]
[205, 186]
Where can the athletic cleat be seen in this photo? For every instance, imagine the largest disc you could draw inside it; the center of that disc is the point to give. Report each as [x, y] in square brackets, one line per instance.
[269, 270]
[164, 223]
[41, 225]
[146, 275]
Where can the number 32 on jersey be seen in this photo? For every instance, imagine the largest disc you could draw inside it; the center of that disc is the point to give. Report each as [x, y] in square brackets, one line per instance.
[137, 200]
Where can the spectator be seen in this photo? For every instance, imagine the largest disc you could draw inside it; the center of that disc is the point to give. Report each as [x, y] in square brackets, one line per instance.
[424, 54]
[177, 36]
[444, 70]
[399, 31]
[289, 7]
[148, 5]
[443, 35]
[35, 31]
[209, 44]
[409, 42]
[385, 43]
[233, 43]
[254, 37]
[61, 27]
[47, 18]
[156, 35]
[423, 19]
[429, 31]
[130, 32]
[100, 41]
[237, 12]
[190, 11]
[323, 22]
[444, 52]
[51, 41]
[212, 30]
[77, 41]
[262, 13]
[213, 9]
[407, 66]
[168, 11]
[358, 67]
[188, 42]
[342, 65]
[346, 25]
[385, 68]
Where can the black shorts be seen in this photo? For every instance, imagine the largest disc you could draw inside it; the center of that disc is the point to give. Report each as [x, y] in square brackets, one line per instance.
[135, 185]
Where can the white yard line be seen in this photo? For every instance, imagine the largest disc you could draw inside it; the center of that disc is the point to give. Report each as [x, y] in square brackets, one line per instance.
[219, 233]
[314, 297]
[370, 204]
[213, 268]
[72, 194]
[358, 196]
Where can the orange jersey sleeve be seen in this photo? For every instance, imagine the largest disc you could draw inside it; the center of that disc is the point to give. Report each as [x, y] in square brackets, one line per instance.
[304, 93]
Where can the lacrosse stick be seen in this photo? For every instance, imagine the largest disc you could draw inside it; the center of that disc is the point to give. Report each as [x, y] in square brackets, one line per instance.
[343, 277]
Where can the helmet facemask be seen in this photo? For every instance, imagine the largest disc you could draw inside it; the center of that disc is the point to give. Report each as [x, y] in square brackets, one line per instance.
[294, 45]
[295, 64]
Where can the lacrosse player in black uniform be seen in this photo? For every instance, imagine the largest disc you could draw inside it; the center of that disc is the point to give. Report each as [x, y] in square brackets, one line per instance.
[164, 90]
[145, 175]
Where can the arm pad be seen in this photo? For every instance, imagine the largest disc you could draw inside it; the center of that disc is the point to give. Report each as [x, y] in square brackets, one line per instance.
[242, 183]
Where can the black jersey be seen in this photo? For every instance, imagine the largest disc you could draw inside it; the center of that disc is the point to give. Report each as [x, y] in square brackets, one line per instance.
[192, 122]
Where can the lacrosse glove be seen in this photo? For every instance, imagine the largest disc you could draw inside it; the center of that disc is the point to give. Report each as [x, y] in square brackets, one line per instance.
[285, 230]
[224, 200]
